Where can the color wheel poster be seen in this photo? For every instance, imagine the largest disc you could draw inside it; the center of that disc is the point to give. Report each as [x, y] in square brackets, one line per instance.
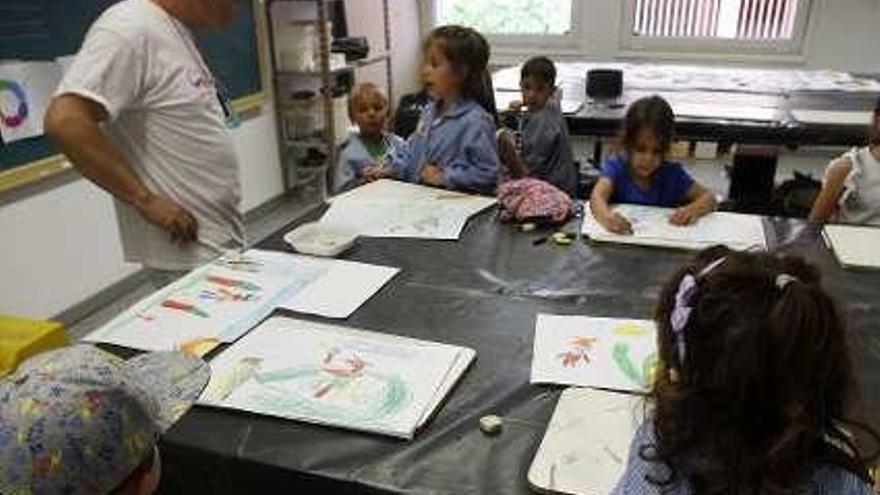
[26, 89]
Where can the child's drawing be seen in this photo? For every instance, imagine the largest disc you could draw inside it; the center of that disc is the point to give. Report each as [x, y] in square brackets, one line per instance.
[329, 375]
[598, 352]
[215, 303]
[578, 352]
[345, 389]
[643, 375]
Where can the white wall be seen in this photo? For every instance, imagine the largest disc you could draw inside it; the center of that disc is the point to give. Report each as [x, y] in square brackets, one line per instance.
[61, 246]
[843, 34]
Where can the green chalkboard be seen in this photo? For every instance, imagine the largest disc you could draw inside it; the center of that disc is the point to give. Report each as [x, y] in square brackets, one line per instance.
[47, 29]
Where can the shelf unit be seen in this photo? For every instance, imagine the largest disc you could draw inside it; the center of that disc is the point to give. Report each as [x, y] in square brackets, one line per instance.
[329, 79]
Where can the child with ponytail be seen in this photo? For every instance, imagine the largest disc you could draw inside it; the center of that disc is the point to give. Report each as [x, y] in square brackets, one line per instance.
[754, 388]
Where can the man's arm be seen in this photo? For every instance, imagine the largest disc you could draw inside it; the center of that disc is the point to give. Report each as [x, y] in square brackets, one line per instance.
[73, 123]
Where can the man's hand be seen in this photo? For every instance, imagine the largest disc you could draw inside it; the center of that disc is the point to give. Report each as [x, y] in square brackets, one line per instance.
[170, 217]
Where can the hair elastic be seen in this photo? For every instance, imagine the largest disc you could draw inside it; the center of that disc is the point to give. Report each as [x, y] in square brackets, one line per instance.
[681, 314]
[783, 279]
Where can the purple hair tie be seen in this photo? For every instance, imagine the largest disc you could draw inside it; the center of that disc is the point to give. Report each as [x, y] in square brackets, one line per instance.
[681, 314]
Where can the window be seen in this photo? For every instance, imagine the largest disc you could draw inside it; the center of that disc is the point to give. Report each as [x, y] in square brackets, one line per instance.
[758, 25]
[509, 17]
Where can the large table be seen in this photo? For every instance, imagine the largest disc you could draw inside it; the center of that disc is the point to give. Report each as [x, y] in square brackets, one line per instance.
[602, 120]
[483, 292]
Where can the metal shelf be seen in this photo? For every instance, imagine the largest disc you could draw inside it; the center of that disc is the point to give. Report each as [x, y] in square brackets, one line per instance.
[338, 78]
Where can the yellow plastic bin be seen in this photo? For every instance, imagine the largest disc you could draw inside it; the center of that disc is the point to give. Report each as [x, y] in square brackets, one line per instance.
[21, 338]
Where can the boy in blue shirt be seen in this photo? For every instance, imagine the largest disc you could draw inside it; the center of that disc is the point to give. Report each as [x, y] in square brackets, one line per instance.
[643, 175]
[372, 145]
[546, 146]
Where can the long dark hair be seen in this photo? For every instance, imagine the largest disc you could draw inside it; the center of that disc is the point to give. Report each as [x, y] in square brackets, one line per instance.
[651, 113]
[468, 52]
[759, 399]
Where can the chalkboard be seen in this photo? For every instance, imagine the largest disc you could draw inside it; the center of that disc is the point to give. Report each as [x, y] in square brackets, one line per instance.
[47, 29]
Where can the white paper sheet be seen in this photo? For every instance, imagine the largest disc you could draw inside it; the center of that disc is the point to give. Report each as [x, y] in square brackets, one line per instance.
[26, 89]
[333, 375]
[343, 287]
[727, 112]
[830, 117]
[215, 303]
[652, 228]
[503, 99]
[398, 210]
[609, 353]
[661, 77]
[855, 247]
[586, 446]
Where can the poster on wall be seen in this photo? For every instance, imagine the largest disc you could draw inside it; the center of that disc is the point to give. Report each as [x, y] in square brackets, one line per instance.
[26, 89]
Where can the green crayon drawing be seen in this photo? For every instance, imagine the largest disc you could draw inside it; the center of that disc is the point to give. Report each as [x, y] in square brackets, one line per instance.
[643, 377]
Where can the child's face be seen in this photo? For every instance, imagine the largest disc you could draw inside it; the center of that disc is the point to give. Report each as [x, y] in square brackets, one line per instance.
[439, 76]
[646, 155]
[535, 92]
[370, 112]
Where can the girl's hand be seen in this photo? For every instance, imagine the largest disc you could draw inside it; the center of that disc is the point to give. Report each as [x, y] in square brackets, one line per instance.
[618, 224]
[683, 216]
[433, 175]
[374, 173]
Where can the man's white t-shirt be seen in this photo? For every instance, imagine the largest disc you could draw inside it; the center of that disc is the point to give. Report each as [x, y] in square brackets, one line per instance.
[143, 66]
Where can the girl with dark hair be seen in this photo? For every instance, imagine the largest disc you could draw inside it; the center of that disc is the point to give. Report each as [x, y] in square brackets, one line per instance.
[642, 175]
[454, 145]
[753, 388]
[851, 190]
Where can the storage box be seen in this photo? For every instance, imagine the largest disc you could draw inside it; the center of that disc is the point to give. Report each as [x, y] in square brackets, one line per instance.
[21, 338]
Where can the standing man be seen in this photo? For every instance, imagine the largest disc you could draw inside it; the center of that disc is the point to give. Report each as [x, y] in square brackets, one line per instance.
[140, 114]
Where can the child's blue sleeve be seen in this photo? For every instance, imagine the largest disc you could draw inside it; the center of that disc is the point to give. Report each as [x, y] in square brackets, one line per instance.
[635, 479]
[403, 161]
[475, 167]
[345, 174]
[613, 167]
[680, 182]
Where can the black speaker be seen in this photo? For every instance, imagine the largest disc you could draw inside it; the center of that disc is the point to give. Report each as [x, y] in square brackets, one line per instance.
[604, 84]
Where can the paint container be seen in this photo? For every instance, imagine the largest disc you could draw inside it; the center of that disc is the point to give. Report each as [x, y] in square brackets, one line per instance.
[298, 46]
[302, 115]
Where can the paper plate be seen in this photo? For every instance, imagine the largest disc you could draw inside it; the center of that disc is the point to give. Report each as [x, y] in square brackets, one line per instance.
[320, 239]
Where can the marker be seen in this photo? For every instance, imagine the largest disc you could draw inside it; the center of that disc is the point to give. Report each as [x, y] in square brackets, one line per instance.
[186, 308]
[229, 282]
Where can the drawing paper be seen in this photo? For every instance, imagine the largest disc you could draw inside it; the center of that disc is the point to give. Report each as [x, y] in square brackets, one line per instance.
[855, 247]
[587, 443]
[215, 303]
[831, 117]
[343, 287]
[335, 376]
[652, 228]
[608, 353]
[398, 210]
